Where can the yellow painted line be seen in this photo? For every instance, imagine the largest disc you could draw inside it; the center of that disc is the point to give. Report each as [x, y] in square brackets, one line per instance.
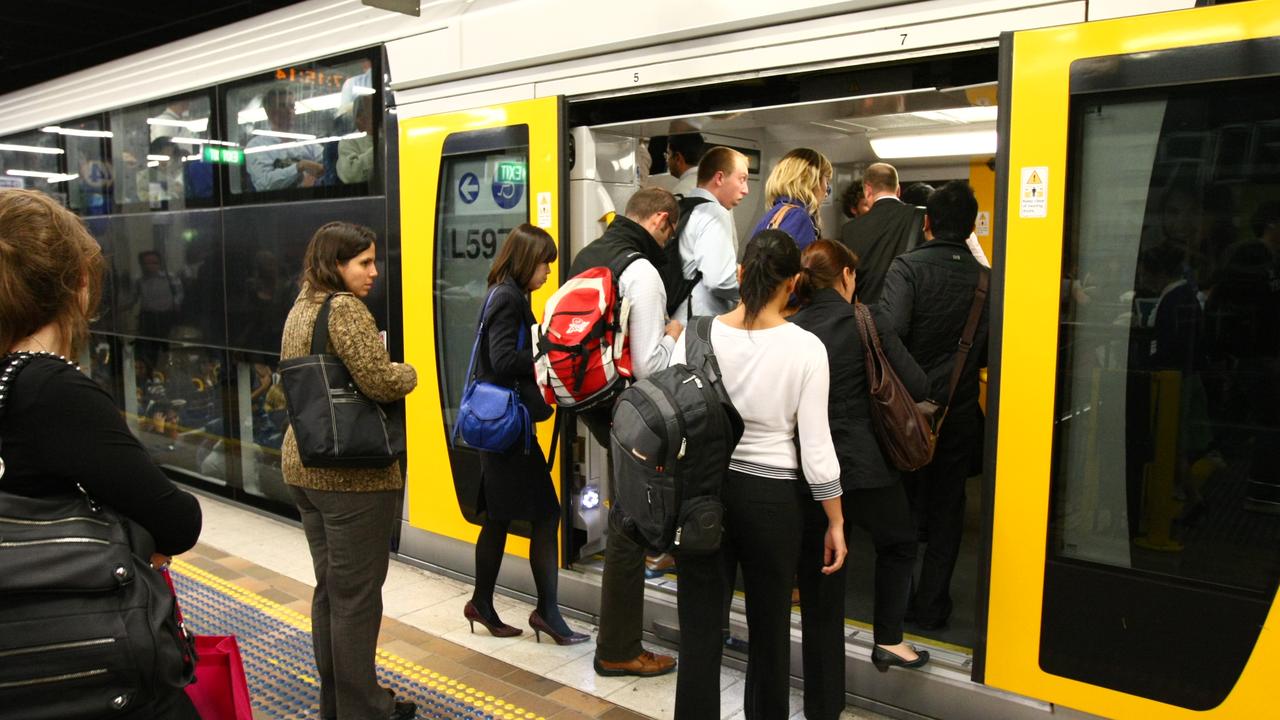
[409, 669]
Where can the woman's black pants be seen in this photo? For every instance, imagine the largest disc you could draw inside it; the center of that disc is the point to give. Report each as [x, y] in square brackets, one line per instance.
[762, 525]
[886, 515]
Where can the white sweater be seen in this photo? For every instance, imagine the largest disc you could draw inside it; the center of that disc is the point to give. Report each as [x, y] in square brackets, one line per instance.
[778, 380]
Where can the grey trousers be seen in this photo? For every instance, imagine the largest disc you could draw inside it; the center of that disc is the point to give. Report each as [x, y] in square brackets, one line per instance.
[350, 538]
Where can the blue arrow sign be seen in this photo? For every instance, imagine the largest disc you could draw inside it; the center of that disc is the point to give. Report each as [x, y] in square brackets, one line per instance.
[469, 188]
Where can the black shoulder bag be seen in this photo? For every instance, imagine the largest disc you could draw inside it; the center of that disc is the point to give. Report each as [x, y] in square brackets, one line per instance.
[87, 628]
[334, 424]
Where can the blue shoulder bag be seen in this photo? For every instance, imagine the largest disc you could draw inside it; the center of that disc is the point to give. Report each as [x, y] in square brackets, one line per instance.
[491, 417]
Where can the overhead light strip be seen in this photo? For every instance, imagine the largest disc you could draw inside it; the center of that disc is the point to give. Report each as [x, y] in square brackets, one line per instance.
[299, 143]
[31, 149]
[950, 144]
[77, 132]
[51, 177]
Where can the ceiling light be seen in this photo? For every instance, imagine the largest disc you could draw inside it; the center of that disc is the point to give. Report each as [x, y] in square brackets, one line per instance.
[319, 102]
[191, 158]
[949, 144]
[251, 116]
[49, 176]
[961, 115]
[76, 132]
[158, 158]
[363, 90]
[197, 125]
[285, 135]
[299, 143]
[201, 141]
[154, 163]
[31, 149]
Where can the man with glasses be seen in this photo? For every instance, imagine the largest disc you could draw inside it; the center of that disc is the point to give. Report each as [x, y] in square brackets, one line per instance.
[646, 226]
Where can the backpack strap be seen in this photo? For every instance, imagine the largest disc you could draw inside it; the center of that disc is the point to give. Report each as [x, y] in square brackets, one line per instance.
[698, 351]
[966, 339]
[679, 288]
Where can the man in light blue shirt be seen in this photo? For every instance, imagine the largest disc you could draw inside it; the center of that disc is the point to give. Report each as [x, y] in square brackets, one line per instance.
[283, 159]
[708, 245]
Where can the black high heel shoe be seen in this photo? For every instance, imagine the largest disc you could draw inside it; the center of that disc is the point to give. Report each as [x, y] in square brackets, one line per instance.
[540, 626]
[883, 659]
[498, 629]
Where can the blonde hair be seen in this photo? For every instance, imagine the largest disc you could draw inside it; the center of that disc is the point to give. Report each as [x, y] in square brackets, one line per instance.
[47, 259]
[797, 176]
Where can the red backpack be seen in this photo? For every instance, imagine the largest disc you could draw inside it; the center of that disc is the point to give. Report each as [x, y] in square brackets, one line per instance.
[583, 359]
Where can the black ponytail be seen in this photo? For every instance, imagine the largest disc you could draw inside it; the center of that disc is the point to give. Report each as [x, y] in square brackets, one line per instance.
[769, 260]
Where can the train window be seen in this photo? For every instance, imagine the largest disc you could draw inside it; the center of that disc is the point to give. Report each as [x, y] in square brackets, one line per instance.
[34, 160]
[1167, 444]
[158, 153]
[483, 195]
[311, 129]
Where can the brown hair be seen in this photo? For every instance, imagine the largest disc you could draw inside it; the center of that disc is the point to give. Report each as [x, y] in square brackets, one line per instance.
[824, 262]
[526, 247]
[47, 258]
[719, 159]
[333, 244]
[647, 202]
[882, 177]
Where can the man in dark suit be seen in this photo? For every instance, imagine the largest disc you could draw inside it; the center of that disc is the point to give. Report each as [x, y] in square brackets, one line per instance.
[884, 232]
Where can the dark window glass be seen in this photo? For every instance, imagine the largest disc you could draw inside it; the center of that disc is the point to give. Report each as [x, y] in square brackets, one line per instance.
[1167, 453]
[35, 160]
[483, 195]
[311, 129]
[158, 153]
[263, 420]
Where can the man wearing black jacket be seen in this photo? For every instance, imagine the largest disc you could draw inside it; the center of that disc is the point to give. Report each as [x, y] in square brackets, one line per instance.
[928, 294]
[884, 232]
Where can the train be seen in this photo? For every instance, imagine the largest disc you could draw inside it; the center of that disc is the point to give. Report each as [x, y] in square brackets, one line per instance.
[1120, 556]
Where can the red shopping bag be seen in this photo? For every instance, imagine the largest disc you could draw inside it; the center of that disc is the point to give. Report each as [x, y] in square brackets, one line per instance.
[220, 691]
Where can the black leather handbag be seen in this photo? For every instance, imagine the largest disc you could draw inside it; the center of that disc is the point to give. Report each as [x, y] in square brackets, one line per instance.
[87, 628]
[334, 424]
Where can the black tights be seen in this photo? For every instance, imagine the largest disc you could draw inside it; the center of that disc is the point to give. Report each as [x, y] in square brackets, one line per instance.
[542, 561]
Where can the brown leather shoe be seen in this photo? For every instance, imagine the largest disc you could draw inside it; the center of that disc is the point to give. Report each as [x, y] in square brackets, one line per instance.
[646, 664]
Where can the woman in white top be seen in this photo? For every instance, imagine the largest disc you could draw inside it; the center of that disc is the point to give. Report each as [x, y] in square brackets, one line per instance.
[777, 377]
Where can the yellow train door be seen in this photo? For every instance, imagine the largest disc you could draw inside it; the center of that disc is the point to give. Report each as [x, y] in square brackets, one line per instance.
[466, 179]
[1134, 559]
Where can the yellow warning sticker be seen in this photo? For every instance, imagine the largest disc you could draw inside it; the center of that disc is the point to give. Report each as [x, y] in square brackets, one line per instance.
[1035, 192]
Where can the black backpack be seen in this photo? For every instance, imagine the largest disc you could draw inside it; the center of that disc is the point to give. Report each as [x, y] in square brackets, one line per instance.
[678, 287]
[672, 436]
[87, 628]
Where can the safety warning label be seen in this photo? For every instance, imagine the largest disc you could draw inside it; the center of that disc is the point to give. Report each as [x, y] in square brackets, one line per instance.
[1035, 192]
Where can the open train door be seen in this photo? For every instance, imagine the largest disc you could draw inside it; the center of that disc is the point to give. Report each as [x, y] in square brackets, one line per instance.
[1134, 540]
[466, 179]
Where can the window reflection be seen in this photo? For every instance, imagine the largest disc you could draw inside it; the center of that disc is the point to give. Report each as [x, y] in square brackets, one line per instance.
[1168, 426]
[34, 160]
[157, 149]
[308, 126]
[263, 420]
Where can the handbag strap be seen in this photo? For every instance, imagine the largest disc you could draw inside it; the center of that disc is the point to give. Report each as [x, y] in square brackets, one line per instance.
[484, 311]
[320, 333]
[966, 337]
[776, 220]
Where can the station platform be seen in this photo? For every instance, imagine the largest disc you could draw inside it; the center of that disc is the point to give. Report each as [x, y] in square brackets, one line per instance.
[251, 576]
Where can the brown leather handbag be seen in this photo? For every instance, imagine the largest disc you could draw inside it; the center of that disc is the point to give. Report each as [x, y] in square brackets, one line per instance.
[908, 430]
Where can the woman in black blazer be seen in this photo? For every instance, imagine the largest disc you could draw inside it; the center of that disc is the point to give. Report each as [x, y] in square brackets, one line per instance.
[873, 493]
[517, 485]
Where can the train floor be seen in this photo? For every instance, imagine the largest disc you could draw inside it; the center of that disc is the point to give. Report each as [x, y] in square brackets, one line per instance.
[251, 576]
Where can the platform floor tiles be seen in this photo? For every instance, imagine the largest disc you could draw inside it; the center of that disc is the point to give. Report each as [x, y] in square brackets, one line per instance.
[251, 575]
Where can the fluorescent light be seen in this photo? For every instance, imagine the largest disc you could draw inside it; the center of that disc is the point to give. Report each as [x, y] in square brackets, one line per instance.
[251, 116]
[153, 163]
[77, 133]
[51, 177]
[180, 140]
[299, 143]
[159, 158]
[285, 135]
[319, 102]
[197, 125]
[31, 149]
[190, 158]
[950, 144]
[961, 115]
[363, 90]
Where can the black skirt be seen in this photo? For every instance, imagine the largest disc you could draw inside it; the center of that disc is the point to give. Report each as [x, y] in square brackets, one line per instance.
[516, 486]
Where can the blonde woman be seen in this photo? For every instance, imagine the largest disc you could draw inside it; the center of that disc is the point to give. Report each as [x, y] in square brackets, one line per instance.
[794, 191]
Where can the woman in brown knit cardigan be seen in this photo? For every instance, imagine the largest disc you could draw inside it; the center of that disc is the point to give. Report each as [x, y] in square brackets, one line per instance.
[348, 514]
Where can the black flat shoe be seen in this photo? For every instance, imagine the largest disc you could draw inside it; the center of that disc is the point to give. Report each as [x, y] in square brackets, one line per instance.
[404, 711]
[883, 659]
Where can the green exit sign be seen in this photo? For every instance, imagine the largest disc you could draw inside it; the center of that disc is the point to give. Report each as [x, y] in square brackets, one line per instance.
[512, 172]
[214, 154]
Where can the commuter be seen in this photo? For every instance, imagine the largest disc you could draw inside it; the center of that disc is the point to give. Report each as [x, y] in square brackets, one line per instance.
[927, 297]
[296, 163]
[795, 190]
[347, 513]
[853, 202]
[776, 373]
[873, 494]
[646, 226]
[60, 429]
[887, 230]
[355, 155]
[917, 194]
[684, 151]
[517, 485]
[656, 173]
[708, 244]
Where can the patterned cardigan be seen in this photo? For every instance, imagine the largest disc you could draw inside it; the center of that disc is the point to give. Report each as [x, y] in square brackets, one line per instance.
[353, 337]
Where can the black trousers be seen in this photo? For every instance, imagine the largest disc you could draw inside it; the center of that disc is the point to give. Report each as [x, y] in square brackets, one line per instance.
[762, 525]
[936, 493]
[885, 514]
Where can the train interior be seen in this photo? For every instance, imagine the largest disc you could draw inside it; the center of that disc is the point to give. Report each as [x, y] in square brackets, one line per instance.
[944, 134]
